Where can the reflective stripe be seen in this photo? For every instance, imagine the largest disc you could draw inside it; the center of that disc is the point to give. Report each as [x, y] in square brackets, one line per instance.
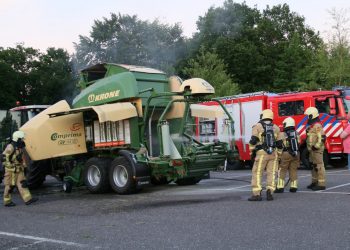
[27, 196]
[280, 183]
[275, 162]
[7, 199]
[259, 174]
[294, 184]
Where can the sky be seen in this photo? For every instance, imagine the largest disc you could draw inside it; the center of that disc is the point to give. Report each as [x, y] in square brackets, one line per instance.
[58, 23]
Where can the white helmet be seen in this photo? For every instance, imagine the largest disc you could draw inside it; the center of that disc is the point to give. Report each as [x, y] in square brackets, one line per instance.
[311, 112]
[288, 122]
[266, 114]
[17, 135]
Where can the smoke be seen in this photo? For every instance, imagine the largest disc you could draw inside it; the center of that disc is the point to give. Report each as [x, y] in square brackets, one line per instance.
[126, 39]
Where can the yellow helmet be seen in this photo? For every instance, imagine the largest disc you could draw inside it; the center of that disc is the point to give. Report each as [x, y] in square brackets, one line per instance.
[311, 111]
[266, 114]
[17, 135]
[288, 122]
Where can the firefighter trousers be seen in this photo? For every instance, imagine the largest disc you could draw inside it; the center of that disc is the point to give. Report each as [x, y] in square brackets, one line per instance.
[288, 163]
[14, 179]
[318, 171]
[264, 161]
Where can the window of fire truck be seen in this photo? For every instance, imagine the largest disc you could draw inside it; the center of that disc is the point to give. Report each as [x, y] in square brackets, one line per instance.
[324, 106]
[346, 103]
[291, 108]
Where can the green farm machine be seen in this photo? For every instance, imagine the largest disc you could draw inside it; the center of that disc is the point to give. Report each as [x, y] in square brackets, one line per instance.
[129, 126]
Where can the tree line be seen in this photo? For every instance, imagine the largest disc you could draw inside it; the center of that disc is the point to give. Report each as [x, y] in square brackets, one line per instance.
[238, 49]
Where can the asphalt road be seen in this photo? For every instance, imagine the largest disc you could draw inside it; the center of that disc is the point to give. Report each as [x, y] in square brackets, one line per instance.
[213, 214]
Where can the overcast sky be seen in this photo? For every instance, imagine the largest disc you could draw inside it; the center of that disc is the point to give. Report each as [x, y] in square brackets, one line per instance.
[58, 23]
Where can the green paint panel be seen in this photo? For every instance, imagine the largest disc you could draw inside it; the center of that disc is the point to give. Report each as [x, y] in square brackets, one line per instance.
[108, 83]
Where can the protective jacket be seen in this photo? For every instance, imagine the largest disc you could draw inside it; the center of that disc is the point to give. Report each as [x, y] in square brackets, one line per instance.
[289, 160]
[315, 137]
[315, 145]
[266, 142]
[14, 173]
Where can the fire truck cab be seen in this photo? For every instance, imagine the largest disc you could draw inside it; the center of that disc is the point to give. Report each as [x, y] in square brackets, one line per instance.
[246, 109]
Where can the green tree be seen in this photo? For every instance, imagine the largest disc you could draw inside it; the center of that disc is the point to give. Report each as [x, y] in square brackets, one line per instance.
[126, 39]
[32, 77]
[7, 127]
[16, 64]
[209, 66]
[339, 48]
[53, 78]
[266, 50]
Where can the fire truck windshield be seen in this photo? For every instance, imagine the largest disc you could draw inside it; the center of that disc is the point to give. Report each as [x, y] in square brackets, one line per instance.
[346, 104]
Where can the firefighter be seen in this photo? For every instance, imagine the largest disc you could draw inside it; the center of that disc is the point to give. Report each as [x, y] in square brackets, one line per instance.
[265, 141]
[14, 171]
[315, 145]
[290, 158]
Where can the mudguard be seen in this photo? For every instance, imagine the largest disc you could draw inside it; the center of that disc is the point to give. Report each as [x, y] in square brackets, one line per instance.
[140, 171]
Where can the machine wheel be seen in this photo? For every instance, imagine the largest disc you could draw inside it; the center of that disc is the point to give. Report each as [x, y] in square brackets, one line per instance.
[161, 181]
[305, 158]
[67, 186]
[96, 174]
[121, 176]
[36, 173]
[187, 181]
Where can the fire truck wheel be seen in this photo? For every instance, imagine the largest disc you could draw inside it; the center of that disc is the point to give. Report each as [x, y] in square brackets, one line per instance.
[36, 173]
[234, 165]
[339, 163]
[305, 158]
[187, 181]
[121, 176]
[96, 174]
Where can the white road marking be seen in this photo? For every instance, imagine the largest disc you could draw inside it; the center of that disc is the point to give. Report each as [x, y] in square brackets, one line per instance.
[26, 245]
[343, 185]
[39, 239]
[323, 192]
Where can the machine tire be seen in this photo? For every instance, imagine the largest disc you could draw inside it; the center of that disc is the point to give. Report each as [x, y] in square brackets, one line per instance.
[339, 163]
[121, 176]
[304, 157]
[95, 175]
[36, 173]
[188, 181]
[67, 186]
[161, 181]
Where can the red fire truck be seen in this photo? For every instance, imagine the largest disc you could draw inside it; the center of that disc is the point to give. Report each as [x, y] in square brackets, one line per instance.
[246, 108]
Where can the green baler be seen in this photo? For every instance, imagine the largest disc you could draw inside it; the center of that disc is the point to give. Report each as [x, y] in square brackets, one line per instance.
[131, 126]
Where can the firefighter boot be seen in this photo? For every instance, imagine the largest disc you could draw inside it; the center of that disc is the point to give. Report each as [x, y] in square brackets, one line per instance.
[279, 190]
[255, 198]
[10, 204]
[32, 200]
[269, 196]
[317, 188]
[312, 185]
[293, 190]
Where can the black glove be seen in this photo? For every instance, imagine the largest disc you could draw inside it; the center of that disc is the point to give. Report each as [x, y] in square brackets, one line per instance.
[24, 184]
[253, 155]
[19, 157]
